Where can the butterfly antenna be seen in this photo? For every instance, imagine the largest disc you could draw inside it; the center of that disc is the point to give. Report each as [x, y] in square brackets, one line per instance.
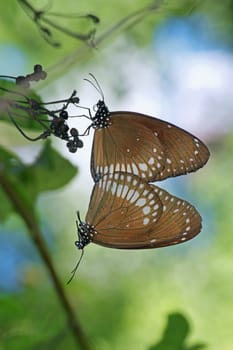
[96, 85]
[73, 272]
[78, 215]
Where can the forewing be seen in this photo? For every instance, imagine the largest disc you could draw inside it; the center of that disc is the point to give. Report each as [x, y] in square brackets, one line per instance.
[126, 146]
[147, 147]
[183, 152]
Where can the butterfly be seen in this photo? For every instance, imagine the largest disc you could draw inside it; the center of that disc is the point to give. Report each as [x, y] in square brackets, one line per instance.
[145, 146]
[125, 210]
[127, 213]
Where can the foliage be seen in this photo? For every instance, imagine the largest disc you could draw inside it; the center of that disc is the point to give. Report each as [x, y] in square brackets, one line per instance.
[48, 172]
[125, 300]
[12, 96]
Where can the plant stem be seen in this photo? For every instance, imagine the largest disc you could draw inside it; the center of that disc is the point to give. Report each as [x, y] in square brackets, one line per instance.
[30, 221]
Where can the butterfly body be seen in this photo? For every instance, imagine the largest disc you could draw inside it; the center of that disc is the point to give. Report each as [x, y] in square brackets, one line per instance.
[102, 116]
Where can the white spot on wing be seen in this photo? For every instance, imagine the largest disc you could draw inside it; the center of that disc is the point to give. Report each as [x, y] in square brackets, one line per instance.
[134, 197]
[146, 221]
[135, 169]
[146, 210]
[129, 178]
[113, 188]
[129, 168]
[140, 202]
[130, 194]
[143, 166]
[119, 190]
[124, 192]
[151, 161]
[108, 185]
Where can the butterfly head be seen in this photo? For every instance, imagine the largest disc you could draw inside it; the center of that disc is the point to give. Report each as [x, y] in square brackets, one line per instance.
[102, 116]
[85, 233]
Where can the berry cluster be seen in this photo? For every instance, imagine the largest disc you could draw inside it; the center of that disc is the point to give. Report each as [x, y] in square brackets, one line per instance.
[38, 74]
[59, 128]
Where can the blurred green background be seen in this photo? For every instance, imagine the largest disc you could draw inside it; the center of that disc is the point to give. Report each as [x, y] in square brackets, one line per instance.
[175, 63]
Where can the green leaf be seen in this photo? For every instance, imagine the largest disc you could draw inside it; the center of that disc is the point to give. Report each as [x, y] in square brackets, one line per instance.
[10, 94]
[175, 335]
[50, 171]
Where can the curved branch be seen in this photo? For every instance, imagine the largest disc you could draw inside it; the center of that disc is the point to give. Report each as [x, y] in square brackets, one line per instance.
[30, 221]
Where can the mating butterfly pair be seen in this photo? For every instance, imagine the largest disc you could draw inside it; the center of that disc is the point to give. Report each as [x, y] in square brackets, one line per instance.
[126, 211]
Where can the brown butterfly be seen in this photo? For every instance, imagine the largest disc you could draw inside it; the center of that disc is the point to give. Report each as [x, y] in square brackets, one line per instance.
[128, 213]
[145, 146]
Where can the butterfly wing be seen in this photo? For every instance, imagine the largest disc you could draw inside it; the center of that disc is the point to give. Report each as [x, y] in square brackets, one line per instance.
[179, 222]
[183, 152]
[130, 214]
[126, 146]
[122, 208]
[145, 146]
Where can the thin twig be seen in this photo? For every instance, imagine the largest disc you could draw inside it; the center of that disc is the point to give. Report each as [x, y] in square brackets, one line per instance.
[30, 221]
[121, 25]
[40, 16]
